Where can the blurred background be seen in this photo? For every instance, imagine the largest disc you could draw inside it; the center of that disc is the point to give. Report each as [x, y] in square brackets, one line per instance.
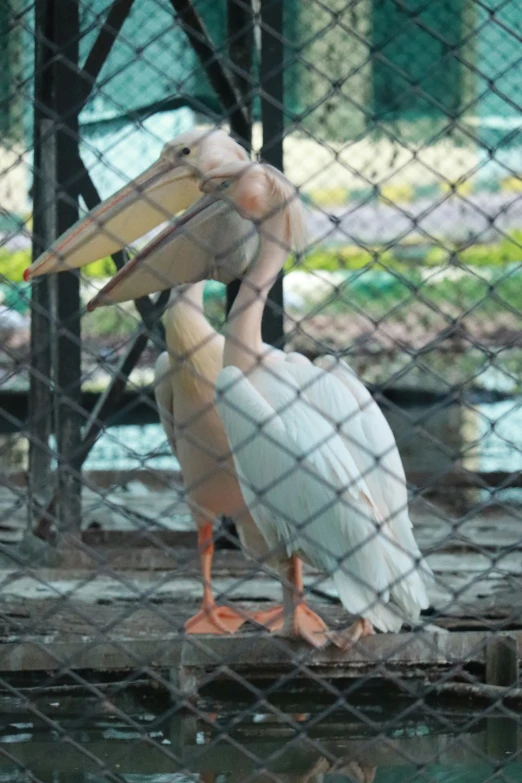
[400, 122]
[401, 130]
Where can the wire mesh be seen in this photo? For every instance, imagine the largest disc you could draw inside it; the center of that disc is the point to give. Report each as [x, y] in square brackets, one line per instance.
[244, 539]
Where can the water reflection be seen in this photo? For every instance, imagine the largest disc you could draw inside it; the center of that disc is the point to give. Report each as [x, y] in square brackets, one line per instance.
[147, 740]
[326, 772]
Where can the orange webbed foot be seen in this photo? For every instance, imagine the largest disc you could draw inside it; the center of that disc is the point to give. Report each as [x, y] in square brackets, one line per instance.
[271, 619]
[216, 620]
[346, 639]
[307, 625]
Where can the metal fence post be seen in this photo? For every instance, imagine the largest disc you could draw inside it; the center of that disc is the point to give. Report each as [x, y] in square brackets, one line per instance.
[272, 118]
[56, 303]
[240, 19]
[44, 229]
[67, 370]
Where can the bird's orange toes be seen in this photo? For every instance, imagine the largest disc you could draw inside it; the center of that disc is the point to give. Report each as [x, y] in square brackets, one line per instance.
[346, 639]
[215, 620]
[307, 625]
[271, 619]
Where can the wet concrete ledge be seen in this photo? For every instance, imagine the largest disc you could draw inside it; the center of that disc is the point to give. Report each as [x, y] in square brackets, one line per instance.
[255, 654]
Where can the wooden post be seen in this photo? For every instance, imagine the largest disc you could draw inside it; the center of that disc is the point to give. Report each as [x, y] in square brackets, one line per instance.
[502, 661]
[502, 670]
[501, 738]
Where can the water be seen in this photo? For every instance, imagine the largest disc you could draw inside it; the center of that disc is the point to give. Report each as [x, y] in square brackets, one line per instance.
[433, 438]
[499, 435]
[297, 735]
[132, 447]
[489, 435]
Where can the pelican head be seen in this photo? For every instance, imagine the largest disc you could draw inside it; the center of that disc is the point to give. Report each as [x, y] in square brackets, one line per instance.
[166, 188]
[216, 238]
[260, 193]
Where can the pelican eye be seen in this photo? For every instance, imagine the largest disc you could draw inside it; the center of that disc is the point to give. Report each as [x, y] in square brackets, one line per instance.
[224, 185]
[185, 151]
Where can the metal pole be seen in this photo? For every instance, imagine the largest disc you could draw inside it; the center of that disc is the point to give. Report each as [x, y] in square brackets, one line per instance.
[44, 229]
[101, 48]
[79, 182]
[272, 118]
[67, 364]
[240, 28]
[209, 58]
[241, 42]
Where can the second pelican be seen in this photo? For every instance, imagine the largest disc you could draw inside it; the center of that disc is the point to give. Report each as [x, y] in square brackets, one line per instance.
[186, 374]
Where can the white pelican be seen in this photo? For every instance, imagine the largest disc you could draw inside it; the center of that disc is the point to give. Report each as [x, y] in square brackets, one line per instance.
[316, 460]
[186, 374]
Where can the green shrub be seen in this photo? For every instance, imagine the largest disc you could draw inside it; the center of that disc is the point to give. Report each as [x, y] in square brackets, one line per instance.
[116, 322]
[13, 265]
[404, 257]
[507, 251]
[350, 258]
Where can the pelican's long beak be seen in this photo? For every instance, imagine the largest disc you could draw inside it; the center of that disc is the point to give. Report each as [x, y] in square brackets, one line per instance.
[209, 241]
[160, 192]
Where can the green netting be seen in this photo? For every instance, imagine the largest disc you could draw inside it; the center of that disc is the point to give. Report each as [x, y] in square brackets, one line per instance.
[332, 76]
[152, 66]
[416, 68]
[351, 70]
[11, 68]
[152, 63]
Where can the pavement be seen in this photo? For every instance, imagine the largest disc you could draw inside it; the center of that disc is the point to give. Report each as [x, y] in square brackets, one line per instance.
[476, 217]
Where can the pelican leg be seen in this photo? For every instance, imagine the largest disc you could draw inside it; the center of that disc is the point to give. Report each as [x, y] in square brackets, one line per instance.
[346, 639]
[212, 619]
[299, 620]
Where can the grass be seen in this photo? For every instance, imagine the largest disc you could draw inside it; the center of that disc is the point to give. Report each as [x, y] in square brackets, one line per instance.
[507, 251]
[12, 265]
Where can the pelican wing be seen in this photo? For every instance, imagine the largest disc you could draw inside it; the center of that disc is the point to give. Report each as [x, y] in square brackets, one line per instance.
[378, 455]
[304, 489]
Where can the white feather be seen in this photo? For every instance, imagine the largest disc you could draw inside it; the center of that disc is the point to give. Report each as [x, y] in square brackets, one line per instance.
[380, 459]
[302, 480]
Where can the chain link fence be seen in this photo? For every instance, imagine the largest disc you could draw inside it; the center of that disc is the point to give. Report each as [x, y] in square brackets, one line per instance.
[207, 566]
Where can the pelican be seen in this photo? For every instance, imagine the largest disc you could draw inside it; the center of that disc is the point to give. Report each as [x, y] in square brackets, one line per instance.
[317, 463]
[185, 375]
[184, 386]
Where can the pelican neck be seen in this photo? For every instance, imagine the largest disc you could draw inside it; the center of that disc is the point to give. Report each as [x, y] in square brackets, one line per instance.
[244, 345]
